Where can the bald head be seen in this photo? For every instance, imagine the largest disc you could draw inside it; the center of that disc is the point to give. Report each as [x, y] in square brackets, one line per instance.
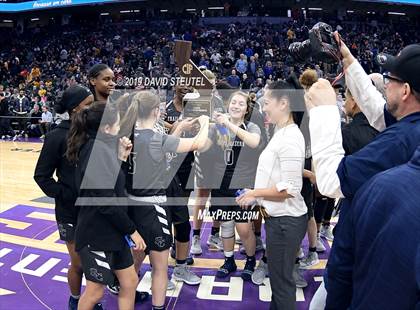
[378, 80]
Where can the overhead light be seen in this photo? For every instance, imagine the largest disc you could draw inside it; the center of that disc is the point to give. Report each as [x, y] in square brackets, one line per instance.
[34, 19]
[190, 10]
[315, 9]
[104, 14]
[7, 21]
[136, 11]
[215, 7]
[163, 11]
[396, 13]
[123, 12]
[350, 11]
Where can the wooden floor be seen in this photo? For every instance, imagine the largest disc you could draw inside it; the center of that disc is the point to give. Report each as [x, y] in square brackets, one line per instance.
[17, 186]
[17, 164]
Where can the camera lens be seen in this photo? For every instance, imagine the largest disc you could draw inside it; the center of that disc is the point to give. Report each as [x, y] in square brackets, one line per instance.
[300, 51]
[381, 59]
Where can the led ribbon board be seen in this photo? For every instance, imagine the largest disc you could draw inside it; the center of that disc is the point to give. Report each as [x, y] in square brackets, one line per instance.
[49, 4]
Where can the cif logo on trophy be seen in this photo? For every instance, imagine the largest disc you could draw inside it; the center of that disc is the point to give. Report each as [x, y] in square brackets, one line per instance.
[202, 101]
[187, 69]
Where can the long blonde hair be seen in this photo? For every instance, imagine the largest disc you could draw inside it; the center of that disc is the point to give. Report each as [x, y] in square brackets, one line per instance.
[140, 106]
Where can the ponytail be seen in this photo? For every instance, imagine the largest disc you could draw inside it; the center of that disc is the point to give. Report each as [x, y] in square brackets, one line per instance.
[141, 105]
[77, 135]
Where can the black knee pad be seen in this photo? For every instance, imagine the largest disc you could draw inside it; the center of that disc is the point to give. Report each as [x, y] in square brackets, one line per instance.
[182, 231]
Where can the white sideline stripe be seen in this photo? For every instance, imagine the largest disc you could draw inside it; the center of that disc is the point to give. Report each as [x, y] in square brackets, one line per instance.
[166, 231]
[99, 253]
[160, 210]
[163, 221]
[102, 264]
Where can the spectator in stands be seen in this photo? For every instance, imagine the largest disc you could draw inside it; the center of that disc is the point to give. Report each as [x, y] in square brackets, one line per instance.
[46, 121]
[252, 67]
[234, 80]
[246, 82]
[21, 109]
[241, 64]
[35, 119]
[6, 130]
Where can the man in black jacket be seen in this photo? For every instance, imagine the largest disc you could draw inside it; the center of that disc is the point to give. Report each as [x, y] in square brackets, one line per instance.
[358, 132]
[5, 128]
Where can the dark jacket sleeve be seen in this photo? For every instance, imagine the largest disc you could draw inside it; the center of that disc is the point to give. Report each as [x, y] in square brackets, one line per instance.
[385, 152]
[101, 175]
[345, 132]
[339, 271]
[48, 161]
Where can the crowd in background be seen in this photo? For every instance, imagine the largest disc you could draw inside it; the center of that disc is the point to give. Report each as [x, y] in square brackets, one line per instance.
[43, 61]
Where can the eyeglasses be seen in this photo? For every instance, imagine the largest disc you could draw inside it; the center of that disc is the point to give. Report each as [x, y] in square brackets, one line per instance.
[387, 78]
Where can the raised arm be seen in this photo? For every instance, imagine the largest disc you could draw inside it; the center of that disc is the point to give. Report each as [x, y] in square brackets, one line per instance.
[199, 142]
[326, 140]
[368, 98]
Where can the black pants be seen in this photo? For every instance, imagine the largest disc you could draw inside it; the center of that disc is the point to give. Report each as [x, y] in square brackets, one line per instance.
[5, 127]
[323, 209]
[284, 235]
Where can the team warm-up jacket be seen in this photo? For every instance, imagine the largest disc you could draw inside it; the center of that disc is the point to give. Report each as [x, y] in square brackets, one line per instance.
[384, 212]
[52, 158]
[103, 219]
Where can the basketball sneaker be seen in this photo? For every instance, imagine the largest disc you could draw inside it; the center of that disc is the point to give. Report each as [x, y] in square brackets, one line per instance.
[184, 274]
[196, 246]
[228, 267]
[248, 270]
[326, 232]
[260, 273]
[310, 260]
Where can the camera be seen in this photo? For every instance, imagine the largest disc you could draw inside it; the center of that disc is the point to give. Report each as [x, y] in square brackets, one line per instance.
[321, 46]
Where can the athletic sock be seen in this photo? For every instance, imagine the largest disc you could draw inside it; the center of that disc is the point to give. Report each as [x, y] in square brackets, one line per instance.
[181, 262]
[228, 254]
[312, 249]
[250, 258]
[215, 230]
[297, 260]
[75, 296]
[257, 234]
[196, 232]
[264, 259]
[158, 307]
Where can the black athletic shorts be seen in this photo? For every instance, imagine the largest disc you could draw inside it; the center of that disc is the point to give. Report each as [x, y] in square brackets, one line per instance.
[66, 231]
[66, 213]
[153, 224]
[230, 211]
[98, 266]
[307, 191]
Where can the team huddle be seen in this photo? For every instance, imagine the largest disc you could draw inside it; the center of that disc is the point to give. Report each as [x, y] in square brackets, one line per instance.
[126, 169]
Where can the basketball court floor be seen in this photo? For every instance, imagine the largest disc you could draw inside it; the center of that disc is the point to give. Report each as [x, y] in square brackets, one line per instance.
[33, 261]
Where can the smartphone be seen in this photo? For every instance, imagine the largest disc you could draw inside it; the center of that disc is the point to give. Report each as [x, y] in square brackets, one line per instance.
[130, 241]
